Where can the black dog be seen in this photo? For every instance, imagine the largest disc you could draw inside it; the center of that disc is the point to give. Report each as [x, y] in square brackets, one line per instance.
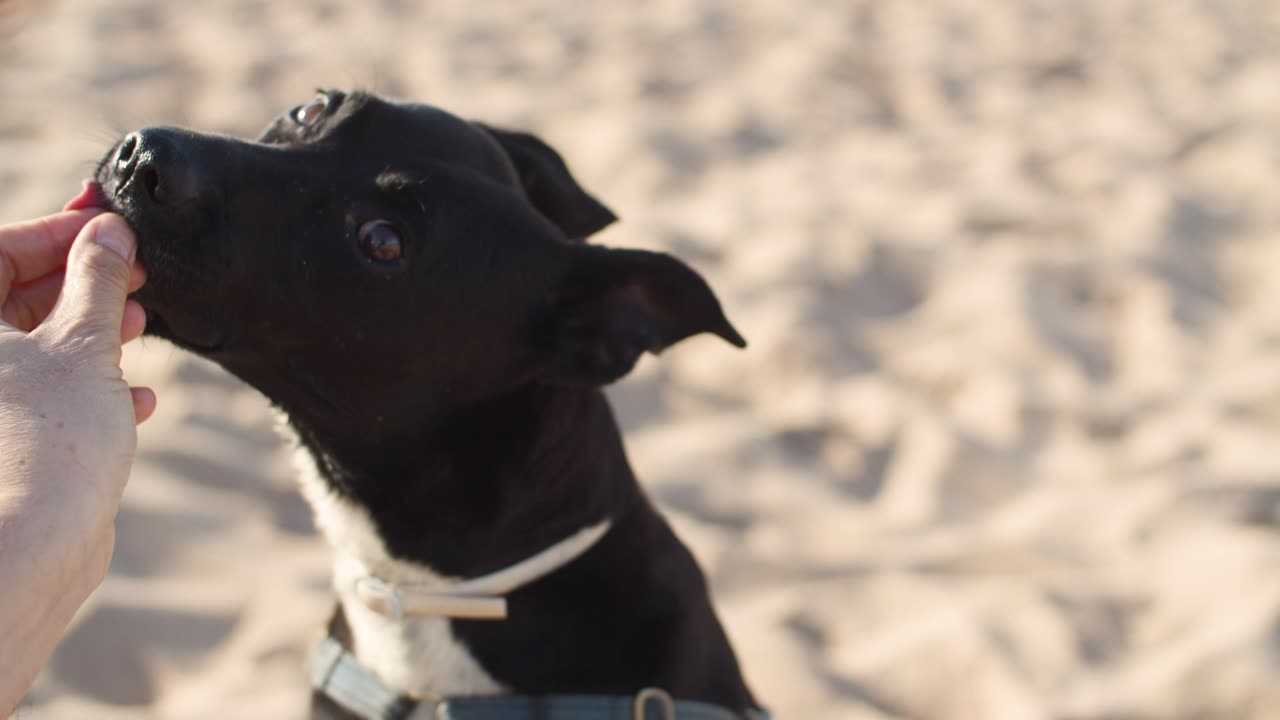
[412, 290]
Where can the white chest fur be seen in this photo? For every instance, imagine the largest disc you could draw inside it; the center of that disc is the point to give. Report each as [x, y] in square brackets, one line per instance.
[416, 655]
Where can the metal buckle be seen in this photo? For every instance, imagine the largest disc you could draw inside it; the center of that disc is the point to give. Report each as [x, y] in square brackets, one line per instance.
[667, 706]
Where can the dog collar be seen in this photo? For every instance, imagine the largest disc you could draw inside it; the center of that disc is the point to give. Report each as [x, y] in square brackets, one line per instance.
[339, 676]
[480, 598]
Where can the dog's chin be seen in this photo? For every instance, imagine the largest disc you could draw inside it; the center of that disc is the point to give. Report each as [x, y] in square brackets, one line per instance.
[169, 289]
[199, 335]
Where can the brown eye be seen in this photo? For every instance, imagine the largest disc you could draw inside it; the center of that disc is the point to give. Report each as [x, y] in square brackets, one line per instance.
[380, 241]
[309, 113]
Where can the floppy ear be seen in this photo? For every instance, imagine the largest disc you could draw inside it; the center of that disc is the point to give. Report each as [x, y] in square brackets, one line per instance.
[550, 187]
[613, 305]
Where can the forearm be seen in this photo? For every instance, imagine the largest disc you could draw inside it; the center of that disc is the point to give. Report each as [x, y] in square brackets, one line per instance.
[67, 418]
[44, 579]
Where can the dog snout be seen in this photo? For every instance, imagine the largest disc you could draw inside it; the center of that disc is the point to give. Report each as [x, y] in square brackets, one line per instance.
[152, 167]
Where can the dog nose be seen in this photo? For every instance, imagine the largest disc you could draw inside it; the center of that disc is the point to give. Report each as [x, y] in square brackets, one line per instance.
[152, 166]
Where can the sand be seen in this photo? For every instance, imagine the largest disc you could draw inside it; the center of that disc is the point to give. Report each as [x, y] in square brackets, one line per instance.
[1004, 445]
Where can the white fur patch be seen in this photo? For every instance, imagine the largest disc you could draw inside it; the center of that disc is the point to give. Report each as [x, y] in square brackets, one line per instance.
[415, 655]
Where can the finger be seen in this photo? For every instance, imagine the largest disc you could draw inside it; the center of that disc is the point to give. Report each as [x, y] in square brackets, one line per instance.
[29, 304]
[137, 275]
[144, 403]
[93, 295]
[90, 196]
[32, 249]
[134, 322]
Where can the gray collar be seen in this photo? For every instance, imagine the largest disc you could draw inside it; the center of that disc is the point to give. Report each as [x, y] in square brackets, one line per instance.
[336, 673]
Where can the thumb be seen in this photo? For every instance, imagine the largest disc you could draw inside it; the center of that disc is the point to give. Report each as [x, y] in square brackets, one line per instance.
[91, 305]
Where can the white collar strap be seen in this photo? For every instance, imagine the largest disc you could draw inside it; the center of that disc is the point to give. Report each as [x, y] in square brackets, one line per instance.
[479, 598]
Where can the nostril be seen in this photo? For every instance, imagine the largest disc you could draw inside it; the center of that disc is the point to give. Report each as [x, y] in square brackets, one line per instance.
[152, 166]
[151, 182]
[127, 148]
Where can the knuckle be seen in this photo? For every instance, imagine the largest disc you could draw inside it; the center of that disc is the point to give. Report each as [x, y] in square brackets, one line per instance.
[76, 346]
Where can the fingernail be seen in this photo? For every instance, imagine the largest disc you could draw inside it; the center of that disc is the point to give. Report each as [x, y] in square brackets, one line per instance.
[116, 236]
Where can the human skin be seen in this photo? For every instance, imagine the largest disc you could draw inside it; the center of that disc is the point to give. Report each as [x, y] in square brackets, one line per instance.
[67, 423]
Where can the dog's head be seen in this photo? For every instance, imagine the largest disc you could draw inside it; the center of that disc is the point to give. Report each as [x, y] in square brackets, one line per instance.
[365, 259]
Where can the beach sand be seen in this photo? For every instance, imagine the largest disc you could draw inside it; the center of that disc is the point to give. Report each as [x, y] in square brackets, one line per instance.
[1004, 445]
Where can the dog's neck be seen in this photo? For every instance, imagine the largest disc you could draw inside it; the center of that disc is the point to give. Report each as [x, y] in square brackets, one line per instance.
[491, 485]
[393, 649]
[484, 486]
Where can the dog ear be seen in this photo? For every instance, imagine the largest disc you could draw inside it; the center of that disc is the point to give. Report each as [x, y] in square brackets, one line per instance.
[550, 187]
[612, 305]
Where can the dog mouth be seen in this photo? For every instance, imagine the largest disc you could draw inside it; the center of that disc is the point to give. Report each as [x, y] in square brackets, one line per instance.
[169, 278]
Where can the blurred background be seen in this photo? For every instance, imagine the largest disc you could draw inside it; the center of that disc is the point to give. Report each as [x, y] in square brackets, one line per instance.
[1004, 444]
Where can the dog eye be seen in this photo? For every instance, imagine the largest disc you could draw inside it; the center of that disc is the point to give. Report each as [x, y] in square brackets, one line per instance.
[309, 113]
[380, 241]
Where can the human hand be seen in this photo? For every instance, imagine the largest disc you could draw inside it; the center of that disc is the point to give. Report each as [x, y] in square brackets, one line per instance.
[67, 422]
[32, 259]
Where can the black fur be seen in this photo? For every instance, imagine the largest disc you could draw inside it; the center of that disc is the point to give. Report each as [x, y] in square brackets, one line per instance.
[453, 392]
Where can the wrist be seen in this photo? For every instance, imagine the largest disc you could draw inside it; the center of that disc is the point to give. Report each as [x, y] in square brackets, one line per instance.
[38, 551]
[56, 517]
